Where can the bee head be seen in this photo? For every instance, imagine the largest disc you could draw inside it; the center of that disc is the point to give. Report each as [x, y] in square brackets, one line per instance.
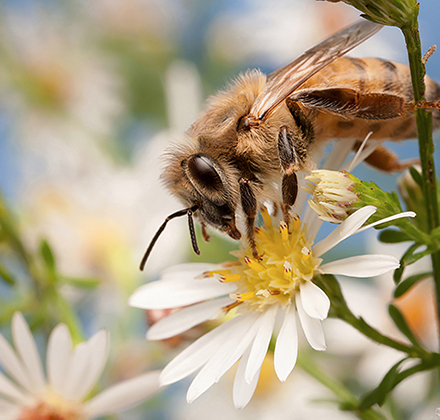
[211, 192]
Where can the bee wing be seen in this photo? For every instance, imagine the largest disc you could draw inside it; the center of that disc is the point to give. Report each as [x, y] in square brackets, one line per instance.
[283, 82]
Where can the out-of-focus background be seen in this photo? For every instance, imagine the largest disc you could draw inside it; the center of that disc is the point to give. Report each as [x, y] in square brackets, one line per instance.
[91, 95]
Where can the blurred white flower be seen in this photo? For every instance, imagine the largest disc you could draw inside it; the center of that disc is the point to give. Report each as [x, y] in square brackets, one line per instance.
[71, 374]
[279, 283]
[55, 78]
[98, 214]
[300, 397]
[275, 33]
[146, 19]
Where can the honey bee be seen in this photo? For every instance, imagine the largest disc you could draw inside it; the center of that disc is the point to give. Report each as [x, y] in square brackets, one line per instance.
[258, 133]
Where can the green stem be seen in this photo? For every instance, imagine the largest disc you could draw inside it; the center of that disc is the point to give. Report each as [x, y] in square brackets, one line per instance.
[68, 316]
[413, 231]
[426, 144]
[348, 400]
[340, 309]
[373, 334]
[44, 286]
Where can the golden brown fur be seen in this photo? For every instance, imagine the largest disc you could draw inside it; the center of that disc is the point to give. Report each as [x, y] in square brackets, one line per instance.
[253, 137]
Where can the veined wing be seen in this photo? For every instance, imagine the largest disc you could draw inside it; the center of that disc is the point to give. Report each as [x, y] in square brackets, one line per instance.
[283, 82]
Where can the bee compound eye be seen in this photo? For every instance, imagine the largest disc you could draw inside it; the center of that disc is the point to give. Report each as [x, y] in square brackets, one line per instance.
[202, 172]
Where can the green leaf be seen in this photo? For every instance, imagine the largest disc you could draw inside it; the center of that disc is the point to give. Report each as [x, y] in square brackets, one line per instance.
[6, 275]
[398, 273]
[47, 254]
[416, 176]
[435, 233]
[67, 315]
[391, 236]
[379, 394]
[409, 282]
[410, 257]
[82, 282]
[401, 324]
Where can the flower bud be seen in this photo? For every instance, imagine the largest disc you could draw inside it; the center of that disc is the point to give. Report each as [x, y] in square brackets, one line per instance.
[412, 194]
[386, 12]
[335, 195]
[332, 195]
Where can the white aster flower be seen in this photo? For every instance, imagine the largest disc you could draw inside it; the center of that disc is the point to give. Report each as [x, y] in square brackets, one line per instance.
[71, 374]
[279, 284]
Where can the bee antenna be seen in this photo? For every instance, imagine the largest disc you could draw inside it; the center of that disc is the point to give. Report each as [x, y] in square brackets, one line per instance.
[189, 211]
[192, 231]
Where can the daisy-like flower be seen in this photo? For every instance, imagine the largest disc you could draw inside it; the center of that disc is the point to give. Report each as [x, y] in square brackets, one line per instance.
[71, 374]
[278, 284]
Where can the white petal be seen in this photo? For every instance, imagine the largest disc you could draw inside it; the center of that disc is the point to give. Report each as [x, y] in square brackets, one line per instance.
[260, 344]
[11, 414]
[6, 405]
[98, 352]
[313, 225]
[197, 354]
[123, 395]
[186, 318]
[58, 355]
[178, 293]
[286, 347]
[347, 228]
[339, 153]
[25, 345]
[9, 411]
[186, 271]
[311, 326]
[362, 265]
[76, 367]
[84, 364]
[242, 391]
[388, 219]
[13, 366]
[362, 153]
[237, 342]
[314, 300]
[8, 389]
[302, 195]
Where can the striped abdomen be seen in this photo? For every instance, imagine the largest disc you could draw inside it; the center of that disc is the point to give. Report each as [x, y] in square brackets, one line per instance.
[352, 97]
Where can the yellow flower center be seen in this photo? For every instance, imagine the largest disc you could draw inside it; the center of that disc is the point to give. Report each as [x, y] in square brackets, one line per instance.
[52, 407]
[286, 261]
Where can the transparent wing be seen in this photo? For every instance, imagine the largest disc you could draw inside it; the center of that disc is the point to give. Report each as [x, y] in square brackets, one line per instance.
[283, 82]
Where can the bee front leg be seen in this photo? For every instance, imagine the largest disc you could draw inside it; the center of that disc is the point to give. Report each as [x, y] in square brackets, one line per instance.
[205, 233]
[249, 205]
[290, 162]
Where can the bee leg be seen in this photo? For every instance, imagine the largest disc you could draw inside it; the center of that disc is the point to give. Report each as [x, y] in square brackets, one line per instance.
[205, 233]
[427, 104]
[290, 162]
[386, 160]
[249, 205]
[289, 189]
[289, 159]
